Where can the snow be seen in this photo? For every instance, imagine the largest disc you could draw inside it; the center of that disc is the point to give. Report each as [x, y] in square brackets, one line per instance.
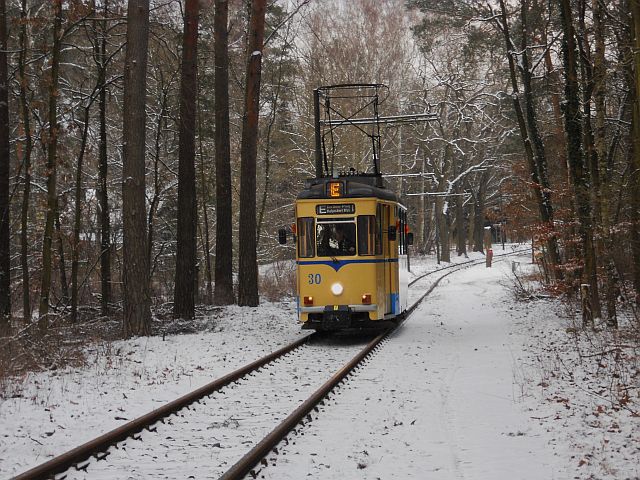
[451, 409]
[473, 385]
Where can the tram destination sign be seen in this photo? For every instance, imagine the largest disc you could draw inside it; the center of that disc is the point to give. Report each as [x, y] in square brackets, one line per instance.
[335, 209]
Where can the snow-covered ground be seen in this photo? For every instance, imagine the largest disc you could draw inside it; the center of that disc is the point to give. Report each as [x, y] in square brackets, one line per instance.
[474, 385]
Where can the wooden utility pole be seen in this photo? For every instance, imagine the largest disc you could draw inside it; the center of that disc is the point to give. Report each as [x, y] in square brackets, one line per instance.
[137, 310]
[248, 264]
[185, 286]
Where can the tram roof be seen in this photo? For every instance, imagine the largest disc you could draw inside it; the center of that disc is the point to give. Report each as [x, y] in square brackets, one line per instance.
[356, 186]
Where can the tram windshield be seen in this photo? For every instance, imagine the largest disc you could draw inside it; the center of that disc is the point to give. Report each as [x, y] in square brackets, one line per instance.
[336, 239]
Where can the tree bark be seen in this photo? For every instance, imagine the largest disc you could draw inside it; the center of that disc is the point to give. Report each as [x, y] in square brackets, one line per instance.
[51, 171]
[588, 141]
[28, 147]
[461, 237]
[248, 264]
[62, 265]
[635, 167]
[223, 277]
[538, 175]
[103, 169]
[155, 200]
[184, 294]
[478, 216]
[575, 154]
[5, 254]
[442, 218]
[77, 221]
[204, 198]
[267, 148]
[137, 312]
[599, 90]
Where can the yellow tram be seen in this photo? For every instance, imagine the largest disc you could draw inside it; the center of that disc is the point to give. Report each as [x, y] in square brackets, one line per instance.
[351, 233]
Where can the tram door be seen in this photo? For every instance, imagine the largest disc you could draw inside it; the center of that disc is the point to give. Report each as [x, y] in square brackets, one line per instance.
[386, 221]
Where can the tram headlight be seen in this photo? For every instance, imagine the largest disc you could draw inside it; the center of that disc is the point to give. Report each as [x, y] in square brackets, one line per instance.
[336, 289]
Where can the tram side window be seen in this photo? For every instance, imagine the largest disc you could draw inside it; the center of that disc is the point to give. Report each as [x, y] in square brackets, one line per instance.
[379, 228]
[306, 244]
[366, 235]
[402, 244]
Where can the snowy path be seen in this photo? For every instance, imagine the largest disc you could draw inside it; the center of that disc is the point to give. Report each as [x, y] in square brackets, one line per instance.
[438, 401]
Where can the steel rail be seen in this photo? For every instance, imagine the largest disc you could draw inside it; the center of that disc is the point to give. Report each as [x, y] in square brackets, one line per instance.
[93, 447]
[467, 262]
[84, 452]
[243, 466]
[247, 462]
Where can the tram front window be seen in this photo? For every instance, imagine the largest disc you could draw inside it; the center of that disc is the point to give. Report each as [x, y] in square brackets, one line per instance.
[336, 239]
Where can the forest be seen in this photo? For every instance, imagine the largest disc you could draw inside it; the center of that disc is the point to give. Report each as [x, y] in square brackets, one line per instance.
[151, 149]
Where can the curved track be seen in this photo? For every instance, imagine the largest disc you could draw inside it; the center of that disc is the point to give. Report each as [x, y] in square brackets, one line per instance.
[245, 465]
[100, 447]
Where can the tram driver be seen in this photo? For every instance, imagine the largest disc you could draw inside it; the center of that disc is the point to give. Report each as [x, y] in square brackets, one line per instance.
[336, 239]
[346, 246]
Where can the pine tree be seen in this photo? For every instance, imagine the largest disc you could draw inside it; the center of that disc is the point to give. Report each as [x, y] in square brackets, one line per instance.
[223, 293]
[248, 263]
[137, 312]
[184, 294]
[5, 257]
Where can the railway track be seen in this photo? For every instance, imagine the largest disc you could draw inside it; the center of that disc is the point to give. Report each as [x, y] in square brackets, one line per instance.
[191, 415]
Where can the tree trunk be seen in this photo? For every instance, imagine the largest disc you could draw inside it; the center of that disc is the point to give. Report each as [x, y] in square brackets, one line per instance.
[28, 147]
[248, 265]
[62, 265]
[575, 154]
[461, 238]
[635, 129]
[155, 200]
[422, 212]
[77, 222]
[591, 155]
[103, 195]
[267, 148]
[137, 313]
[223, 293]
[541, 189]
[478, 216]
[442, 218]
[184, 294]
[50, 173]
[204, 196]
[5, 254]
[599, 90]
